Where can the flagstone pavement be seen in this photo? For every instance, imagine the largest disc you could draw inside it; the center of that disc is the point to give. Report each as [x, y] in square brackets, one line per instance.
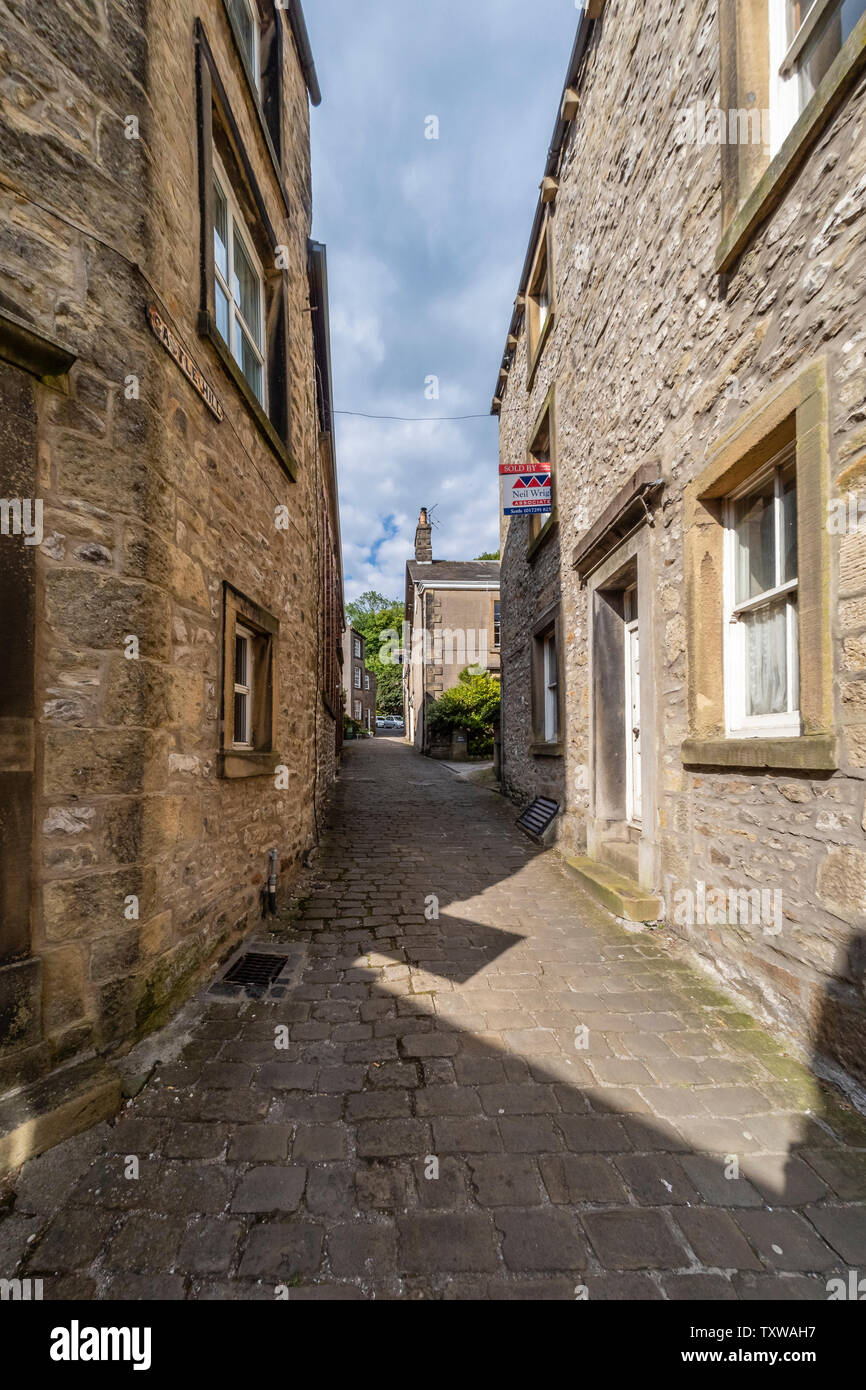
[513, 1099]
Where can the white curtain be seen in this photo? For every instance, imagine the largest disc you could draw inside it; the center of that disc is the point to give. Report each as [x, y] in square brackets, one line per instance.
[766, 660]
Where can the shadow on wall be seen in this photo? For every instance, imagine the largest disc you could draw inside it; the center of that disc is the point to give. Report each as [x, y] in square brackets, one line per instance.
[840, 1025]
[737, 1179]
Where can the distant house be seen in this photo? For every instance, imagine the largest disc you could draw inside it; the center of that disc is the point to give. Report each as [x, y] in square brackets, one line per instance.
[359, 684]
[452, 621]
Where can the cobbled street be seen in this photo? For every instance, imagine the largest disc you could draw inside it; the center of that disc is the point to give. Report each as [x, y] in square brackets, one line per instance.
[514, 1099]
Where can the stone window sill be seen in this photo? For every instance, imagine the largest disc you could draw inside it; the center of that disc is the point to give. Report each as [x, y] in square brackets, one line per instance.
[810, 753]
[242, 762]
[785, 166]
[546, 750]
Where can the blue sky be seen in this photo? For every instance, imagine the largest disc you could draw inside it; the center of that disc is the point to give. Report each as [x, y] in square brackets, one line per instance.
[426, 240]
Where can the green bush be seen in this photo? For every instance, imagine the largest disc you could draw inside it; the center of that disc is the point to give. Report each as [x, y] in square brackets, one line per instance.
[375, 616]
[473, 705]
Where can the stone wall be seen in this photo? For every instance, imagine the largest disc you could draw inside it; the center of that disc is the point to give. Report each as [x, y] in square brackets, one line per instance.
[655, 357]
[147, 864]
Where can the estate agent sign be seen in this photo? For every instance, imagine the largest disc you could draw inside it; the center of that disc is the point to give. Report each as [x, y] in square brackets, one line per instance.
[525, 490]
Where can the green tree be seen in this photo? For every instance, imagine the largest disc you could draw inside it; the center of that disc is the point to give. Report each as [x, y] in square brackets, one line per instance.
[371, 615]
[488, 555]
[473, 705]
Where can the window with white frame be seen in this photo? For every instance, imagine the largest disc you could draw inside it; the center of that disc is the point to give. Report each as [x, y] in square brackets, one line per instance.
[357, 678]
[806, 36]
[246, 20]
[358, 711]
[497, 627]
[239, 287]
[358, 648]
[243, 701]
[551, 703]
[761, 636]
[366, 681]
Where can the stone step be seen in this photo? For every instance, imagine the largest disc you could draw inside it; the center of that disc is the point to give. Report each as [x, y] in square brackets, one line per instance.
[620, 895]
[60, 1105]
[621, 855]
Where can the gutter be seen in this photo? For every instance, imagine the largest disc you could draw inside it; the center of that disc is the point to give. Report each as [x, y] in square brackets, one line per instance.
[302, 43]
[591, 10]
[477, 585]
[318, 257]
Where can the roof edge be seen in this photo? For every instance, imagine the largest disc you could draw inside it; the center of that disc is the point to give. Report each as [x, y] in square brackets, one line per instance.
[302, 43]
[557, 139]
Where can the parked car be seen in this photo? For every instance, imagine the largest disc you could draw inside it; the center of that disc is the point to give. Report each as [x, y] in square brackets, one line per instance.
[380, 721]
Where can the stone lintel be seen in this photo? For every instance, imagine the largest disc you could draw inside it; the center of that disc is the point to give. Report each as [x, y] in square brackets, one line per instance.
[617, 519]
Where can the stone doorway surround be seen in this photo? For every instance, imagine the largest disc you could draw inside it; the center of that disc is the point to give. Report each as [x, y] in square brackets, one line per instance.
[616, 553]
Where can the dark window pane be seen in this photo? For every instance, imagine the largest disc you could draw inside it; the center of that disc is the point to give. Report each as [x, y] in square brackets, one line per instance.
[824, 45]
[244, 20]
[241, 702]
[789, 523]
[249, 363]
[220, 231]
[241, 648]
[222, 313]
[247, 288]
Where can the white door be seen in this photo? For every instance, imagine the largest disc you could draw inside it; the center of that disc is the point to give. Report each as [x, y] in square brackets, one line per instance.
[632, 711]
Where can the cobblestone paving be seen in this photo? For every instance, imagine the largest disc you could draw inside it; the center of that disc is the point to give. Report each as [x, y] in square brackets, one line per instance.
[607, 1168]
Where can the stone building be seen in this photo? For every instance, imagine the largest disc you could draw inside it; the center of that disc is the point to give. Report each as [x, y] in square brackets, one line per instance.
[359, 684]
[452, 621]
[684, 637]
[172, 616]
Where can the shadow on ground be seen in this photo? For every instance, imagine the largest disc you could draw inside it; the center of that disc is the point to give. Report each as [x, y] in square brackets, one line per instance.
[512, 1099]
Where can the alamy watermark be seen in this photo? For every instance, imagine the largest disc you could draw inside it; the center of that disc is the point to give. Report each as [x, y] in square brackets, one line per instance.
[464, 647]
[704, 906]
[22, 516]
[846, 516]
[711, 125]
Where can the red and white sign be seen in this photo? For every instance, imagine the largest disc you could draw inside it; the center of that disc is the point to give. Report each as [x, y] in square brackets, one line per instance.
[525, 490]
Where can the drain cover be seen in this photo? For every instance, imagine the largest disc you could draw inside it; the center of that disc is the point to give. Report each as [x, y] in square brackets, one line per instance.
[254, 968]
[537, 816]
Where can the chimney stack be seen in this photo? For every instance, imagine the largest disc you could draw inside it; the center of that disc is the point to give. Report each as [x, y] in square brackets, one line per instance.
[423, 541]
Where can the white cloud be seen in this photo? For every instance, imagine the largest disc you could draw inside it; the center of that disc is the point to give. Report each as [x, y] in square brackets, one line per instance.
[426, 241]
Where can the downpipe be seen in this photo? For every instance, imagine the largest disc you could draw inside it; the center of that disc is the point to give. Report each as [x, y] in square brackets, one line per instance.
[269, 901]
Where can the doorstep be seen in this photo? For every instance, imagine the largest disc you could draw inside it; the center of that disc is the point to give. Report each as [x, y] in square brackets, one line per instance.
[620, 895]
[60, 1105]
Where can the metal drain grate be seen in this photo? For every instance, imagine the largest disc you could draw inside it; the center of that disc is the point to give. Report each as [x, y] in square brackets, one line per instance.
[537, 816]
[254, 968]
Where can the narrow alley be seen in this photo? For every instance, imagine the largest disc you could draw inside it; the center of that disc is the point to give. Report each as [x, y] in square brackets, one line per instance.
[475, 1085]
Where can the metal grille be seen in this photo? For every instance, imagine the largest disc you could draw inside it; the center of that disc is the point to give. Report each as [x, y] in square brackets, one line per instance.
[537, 816]
[255, 968]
